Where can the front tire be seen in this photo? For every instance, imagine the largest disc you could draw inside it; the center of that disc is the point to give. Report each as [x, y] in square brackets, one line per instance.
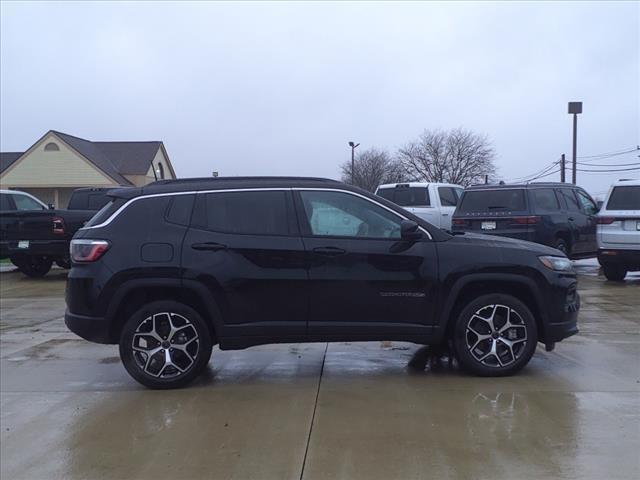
[495, 335]
[562, 246]
[614, 273]
[165, 344]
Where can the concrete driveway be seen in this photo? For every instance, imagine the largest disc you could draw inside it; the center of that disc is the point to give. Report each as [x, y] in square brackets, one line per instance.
[316, 411]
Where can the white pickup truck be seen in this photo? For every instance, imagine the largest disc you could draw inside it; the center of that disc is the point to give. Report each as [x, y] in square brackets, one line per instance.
[434, 202]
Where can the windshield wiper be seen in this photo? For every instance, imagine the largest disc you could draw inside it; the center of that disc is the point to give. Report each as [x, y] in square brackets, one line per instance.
[495, 207]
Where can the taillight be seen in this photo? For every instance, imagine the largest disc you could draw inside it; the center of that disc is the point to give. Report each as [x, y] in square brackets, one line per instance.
[459, 222]
[84, 251]
[605, 220]
[58, 225]
[527, 220]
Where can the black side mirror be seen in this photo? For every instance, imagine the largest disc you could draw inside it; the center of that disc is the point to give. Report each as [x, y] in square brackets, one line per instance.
[51, 206]
[410, 230]
[599, 204]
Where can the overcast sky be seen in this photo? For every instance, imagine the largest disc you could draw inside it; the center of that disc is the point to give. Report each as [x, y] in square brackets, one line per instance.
[280, 88]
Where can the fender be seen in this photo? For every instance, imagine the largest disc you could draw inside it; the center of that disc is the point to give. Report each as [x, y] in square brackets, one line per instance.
[459, 284]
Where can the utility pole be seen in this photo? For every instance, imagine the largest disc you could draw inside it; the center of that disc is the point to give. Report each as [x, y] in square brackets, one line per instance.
[353, 159]
[575, 108]
[486, 179]
[562, 163]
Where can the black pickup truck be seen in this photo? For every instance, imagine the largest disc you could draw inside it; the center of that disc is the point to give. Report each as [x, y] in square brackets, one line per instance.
[34, 236]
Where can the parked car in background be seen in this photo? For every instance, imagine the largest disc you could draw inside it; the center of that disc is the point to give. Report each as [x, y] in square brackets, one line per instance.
[559, 215]
[619, 230]
[170, 269]
[433, 202]
[34, 235]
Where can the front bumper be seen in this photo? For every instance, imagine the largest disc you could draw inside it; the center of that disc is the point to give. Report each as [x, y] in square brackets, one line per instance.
[562, 319]
[94, 329]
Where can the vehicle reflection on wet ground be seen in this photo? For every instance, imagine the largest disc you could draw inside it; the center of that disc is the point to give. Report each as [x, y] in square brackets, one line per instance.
[344, 410]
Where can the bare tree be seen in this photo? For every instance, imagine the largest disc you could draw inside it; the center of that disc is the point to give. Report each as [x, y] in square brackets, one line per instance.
[457, 156]
[372, 168]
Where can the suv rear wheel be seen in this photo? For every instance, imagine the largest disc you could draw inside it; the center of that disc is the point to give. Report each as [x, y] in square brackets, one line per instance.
[33, 266]
[165, 344]
[614, 273]
[495, 335]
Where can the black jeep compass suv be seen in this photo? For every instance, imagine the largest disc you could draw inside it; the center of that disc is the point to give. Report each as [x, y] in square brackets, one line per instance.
[169, 270]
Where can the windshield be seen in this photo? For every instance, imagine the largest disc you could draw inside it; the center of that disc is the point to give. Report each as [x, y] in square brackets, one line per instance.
[406, 196]
[624, 198]
[504, 200]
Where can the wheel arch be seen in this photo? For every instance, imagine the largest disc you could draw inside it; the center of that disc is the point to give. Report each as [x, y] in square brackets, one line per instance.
[131, 295]
[473, 286]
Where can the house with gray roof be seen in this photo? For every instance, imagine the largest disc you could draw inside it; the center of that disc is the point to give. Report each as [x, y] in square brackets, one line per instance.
[58, 163]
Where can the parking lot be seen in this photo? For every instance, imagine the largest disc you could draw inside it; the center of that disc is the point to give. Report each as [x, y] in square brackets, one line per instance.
[69, 409]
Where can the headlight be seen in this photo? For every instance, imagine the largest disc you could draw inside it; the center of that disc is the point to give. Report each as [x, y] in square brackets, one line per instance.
[558, 264]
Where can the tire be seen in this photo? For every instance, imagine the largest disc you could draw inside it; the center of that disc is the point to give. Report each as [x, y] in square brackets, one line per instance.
[562, 246]
[34, 266]
[491, 356]
[64, 262]
[614, 273]
[152, 323]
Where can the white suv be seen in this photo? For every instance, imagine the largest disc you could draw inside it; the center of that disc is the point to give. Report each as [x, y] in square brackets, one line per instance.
[434, 202]
[619, 230]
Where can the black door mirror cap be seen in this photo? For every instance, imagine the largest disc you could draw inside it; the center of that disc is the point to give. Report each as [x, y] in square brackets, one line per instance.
[410, 230]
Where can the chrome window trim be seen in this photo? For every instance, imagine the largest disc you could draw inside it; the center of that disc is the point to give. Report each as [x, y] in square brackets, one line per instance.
[113, 216]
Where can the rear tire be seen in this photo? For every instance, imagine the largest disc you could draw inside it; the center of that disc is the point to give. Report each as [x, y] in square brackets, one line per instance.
[495, 335]
[34, 266]
[165, 344]
[614, 273]
[64, 262]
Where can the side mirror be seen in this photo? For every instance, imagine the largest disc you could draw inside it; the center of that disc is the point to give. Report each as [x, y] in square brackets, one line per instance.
[51, 206]
[410, 230]
[599, 204]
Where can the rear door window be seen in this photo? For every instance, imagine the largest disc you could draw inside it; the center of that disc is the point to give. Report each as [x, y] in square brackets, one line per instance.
[407, 196]
[5, 202]
[448, 196]
[248, 213]
[570, 199]
[624, 198]
[588, 205]
[545, 200]
[503, 200]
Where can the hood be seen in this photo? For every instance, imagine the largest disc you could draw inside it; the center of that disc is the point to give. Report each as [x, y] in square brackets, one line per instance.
[496, 241]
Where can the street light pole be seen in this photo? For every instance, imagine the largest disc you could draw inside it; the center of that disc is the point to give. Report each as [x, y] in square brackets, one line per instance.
[575, 108]
[353, 159]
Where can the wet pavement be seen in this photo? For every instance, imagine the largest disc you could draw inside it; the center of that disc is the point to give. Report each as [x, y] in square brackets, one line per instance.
[314, 411]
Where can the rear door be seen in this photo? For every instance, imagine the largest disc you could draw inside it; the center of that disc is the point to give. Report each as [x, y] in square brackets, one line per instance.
[579, 222]
[448, 197]
[246, 248]
[589, 209]
[499, 211]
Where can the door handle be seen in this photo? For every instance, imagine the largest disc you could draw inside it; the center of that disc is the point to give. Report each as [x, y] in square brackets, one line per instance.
[329, 251]
[209, 246]
[445, 214]
[571, 219]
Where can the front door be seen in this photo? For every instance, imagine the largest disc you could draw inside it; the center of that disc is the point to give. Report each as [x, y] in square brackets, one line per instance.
[246, 248]
[364, 280]
[589, 210]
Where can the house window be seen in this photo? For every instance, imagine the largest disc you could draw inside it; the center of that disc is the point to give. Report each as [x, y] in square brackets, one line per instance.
[51, 147]
[160, 171]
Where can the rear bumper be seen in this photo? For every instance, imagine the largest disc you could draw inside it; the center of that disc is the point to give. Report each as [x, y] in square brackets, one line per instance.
[50, 248]
[94, 329]
[629, 259]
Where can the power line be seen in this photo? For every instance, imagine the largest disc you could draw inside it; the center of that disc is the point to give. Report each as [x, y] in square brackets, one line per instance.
[610, 171]
[610, 154]
[528, 178]
[608, 164]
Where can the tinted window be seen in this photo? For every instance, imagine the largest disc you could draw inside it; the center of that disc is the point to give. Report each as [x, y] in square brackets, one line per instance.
[570, 199]
[545, 200]
[624, 198]
[180, 208]
[5, 204]
[256, 213]
[507, 199]
[448, 196]
[588, 205]
[105, 212]
[406, 196]
[346, 215]
[26, 203]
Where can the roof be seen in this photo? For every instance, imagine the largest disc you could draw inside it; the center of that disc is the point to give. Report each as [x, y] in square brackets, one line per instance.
[520, 185]
[7, 159]
[418, 184]
[115, 159]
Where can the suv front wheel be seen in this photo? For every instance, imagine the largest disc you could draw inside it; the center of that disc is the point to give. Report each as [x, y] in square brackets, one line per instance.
[165, 344]
[495, 335]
